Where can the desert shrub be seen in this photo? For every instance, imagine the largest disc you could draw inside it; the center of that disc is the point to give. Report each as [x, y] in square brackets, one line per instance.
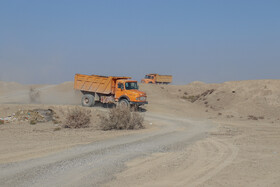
[1, 122]
[33, 122]
[57, 129]
[261, 117]
[230, 116]
[77, 118]
[252, 117]
[207, 92]
[121, 118]
[191, 98]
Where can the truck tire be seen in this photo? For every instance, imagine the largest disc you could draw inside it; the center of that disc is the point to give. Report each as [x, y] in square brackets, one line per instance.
[124, 103]
[88, 100]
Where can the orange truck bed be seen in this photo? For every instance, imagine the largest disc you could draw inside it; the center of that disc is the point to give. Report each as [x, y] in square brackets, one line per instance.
[96, 83]
[164, 78]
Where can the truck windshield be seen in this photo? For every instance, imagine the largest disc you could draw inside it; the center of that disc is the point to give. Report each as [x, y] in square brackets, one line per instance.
[148, 77]
[131, 86]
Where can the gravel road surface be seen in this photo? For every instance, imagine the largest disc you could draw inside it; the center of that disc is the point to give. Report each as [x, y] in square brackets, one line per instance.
[97, 163]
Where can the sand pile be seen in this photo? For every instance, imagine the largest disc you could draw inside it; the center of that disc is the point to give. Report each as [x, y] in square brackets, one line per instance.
[252, 99]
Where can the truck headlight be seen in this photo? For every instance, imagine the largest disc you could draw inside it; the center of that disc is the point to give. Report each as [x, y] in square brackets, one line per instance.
[141, 98]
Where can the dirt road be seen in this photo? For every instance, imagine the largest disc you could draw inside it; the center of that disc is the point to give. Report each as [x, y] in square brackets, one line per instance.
[98, 163]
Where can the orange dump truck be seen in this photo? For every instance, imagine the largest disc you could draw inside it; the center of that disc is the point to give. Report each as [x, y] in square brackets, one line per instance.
[110, 89]
[157, 79]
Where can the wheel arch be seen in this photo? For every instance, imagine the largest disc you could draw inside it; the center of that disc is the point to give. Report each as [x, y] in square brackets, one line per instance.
[124, 97]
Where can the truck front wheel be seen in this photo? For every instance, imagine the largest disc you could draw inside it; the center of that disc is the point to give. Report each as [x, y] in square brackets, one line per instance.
[88, 100]
[124, 103]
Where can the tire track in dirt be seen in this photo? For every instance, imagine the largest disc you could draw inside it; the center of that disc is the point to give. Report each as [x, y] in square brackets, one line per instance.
[190, 167]
[211, 157]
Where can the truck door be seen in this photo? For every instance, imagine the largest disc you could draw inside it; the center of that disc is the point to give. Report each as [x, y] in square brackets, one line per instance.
[153, 79]
[120, 90]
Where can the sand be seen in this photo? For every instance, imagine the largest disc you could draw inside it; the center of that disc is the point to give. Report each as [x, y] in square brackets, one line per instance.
[242, 150]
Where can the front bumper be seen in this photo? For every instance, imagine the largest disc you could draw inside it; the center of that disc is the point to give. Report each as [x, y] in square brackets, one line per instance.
[138, 103]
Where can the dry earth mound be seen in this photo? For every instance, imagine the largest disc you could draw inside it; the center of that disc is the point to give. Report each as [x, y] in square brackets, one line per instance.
[252, 99]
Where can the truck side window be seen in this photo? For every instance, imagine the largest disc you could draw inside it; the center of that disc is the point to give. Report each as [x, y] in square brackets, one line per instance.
[120, 85]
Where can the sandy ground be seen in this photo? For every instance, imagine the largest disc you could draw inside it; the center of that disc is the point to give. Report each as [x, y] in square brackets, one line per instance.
[235, 154]
[20, 140]
[241, 150]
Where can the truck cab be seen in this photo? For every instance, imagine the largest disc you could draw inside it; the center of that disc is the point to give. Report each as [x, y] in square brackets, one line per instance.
[126, 92]
[149, 79]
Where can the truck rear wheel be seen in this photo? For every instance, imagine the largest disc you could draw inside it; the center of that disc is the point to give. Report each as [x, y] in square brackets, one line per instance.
[124, 103]
[88, 100]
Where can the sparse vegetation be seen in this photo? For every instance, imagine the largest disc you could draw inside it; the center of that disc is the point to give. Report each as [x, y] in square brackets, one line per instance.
[1, 122]
[77, 118]
[230, 116]
[193, 98]
[121, 118]
[57, 129]
[251, 117]
[220, 114]
[33, 122]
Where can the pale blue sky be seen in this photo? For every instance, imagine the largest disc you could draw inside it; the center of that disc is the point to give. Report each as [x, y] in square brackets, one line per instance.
[211, 40]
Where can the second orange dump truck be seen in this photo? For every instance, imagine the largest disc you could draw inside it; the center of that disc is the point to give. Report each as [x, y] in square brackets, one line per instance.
[109, 89]
[157, 79]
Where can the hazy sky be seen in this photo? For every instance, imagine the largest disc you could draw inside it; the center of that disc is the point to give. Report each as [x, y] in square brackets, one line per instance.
[211, 41]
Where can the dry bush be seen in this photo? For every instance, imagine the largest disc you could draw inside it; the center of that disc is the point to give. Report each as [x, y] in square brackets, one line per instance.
[261, 117]
[207, 92]
[57, 129]
[193, 98]
[121, 118]
[252, 117]
[77, 118]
